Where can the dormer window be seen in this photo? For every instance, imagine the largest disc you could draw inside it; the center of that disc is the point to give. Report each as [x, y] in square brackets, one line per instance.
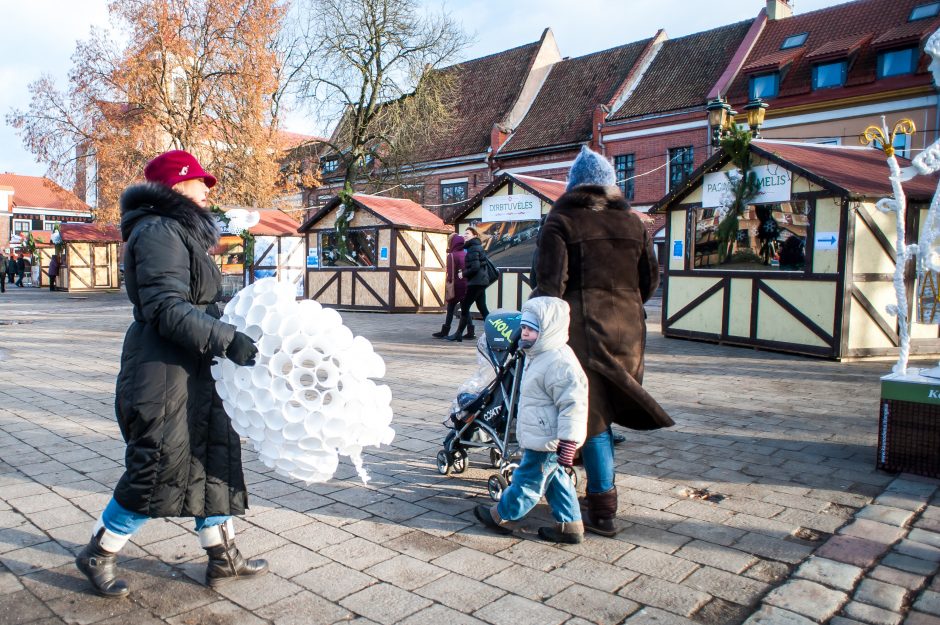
[764, 85]
[897, 62]
[828, 75]
[794, 41]
[923, 11]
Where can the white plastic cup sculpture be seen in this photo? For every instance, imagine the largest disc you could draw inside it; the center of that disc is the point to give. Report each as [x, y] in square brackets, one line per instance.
[309, 396]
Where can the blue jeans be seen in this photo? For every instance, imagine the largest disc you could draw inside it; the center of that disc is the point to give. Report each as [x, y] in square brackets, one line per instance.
[120, 520]
[539, 473]
[598, 457]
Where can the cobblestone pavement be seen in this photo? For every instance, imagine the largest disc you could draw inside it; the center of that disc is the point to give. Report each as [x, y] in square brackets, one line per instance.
[801, 527]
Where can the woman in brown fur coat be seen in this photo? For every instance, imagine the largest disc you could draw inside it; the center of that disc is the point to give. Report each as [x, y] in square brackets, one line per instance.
[595, 253]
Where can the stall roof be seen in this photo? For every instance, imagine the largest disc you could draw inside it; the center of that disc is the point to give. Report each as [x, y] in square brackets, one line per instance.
[273, 222]
[543, 188]
[42, 237]
[846, 170]
[395, 211]
[90, 233]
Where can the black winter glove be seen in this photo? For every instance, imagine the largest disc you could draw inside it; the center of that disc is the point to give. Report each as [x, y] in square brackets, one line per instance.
[242, 350]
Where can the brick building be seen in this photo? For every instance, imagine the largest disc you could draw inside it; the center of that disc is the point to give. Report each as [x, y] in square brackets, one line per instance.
[34, 203]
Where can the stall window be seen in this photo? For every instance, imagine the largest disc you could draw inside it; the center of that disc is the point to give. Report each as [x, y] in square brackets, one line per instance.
[360, 248]
[770, 237]
[897, 62]
[680, 165]
[764, 86]
[828, 75]
[453, 192]
[624, 165]
[22, 225]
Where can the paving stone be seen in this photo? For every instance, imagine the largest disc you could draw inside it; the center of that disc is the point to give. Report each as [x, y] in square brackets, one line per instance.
[536, 555]
[852, 550]
[384, 603]
[172, 596]
[87, 608]
[897, 577]
[471, 563]
[438, 614]
[655, 616]
[913, 487]
[593, 605]
[47, 555]
[928, 602]
[807, 598]
[716, 556]
[421, 546]
[529, 583]
[905, 501]
[724, 585]
[28, 608]
[768, 571]
[358, 553]
[871, 614]
[919, 618]
[708, 532]
[888, 515]
[770, 615]
[290, 560]
[219, 612]
[653, 538]
[917, 550]
[515, 610]
[599, 575]
[874, 531]
[460, 592]
[909, 564]
[841, 620]
[880, 594]
[924, 536]
[265, 590]
[406, 572]
[334, 581]
[721, 611]
[664, 566]
[304, 608]
[830, 573]
[675, 598]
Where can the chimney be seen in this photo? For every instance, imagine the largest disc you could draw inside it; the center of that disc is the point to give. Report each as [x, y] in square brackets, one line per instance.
[779, 9]
[498, 136]
[598, 117]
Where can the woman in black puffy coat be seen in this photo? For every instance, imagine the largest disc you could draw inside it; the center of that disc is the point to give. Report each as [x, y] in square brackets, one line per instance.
[478, 278]
[182, 457]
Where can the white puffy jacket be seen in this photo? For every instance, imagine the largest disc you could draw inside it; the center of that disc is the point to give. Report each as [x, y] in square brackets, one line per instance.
[553, 397]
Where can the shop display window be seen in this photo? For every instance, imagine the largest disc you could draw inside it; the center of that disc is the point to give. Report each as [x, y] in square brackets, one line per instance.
[361, 245]
[770, 237]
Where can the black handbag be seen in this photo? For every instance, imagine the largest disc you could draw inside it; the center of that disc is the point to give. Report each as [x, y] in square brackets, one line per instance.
[492, 273]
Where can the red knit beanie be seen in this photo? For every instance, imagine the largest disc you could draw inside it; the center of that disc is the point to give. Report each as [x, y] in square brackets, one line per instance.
[176, 166]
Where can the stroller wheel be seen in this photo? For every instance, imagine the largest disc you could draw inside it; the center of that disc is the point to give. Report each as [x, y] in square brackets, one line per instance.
[496, 485]
[460, 461]
[495, 457]
[444, 462]
[578, 479]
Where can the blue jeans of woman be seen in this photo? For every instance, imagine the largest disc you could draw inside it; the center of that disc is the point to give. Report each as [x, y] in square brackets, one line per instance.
[539, 474]
[120, 520]
[598, 458]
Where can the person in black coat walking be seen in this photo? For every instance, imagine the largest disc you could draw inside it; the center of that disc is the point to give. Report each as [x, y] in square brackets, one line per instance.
[183, 458]
[11, 268]
[3, 270]
[478, 278]
[20, 270]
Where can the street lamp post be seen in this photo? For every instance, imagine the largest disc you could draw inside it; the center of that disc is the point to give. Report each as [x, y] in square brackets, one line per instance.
[755, 116]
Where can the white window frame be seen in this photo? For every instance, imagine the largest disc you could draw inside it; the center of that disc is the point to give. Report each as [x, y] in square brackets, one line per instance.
[28, 222]
[50, 225]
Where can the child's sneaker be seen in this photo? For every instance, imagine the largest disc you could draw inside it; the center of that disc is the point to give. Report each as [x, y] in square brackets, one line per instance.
[571, 533]
[488, 516]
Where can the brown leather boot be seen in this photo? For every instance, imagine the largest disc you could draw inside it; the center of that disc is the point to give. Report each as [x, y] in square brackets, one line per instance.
[601, 511]
[225, 561]
[570, 533]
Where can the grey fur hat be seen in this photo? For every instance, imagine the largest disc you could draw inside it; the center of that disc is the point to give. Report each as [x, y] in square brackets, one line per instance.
[591, 168]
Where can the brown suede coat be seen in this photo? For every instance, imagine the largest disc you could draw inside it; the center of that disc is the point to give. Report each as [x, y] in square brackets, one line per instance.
[595, 253]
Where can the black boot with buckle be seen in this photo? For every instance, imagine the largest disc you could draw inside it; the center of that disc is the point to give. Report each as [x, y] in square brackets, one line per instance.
[100, 567]
[226, 562]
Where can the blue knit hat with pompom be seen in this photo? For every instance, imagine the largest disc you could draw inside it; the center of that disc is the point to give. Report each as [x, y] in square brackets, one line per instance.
[591, 168]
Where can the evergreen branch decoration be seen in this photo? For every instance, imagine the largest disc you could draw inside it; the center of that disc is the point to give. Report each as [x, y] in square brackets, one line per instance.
[344, 216]
[744, 188]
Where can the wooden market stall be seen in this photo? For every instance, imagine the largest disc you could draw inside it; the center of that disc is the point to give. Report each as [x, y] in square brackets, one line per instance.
[811, 264]
[508, 213]
[39, 262]
[91, 256]
[395, 260]
[278, 251]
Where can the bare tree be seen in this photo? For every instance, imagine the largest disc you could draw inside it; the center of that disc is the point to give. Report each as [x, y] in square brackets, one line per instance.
[370, 65]
[200, 75]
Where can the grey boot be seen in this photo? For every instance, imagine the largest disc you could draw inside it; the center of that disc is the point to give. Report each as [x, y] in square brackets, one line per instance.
[100, 566]
[570, 533]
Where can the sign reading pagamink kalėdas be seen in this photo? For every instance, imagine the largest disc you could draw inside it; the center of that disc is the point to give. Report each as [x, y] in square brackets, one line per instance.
[517, 207]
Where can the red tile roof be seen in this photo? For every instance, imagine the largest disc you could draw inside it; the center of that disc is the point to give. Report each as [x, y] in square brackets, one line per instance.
[90, 233]
[840, 47]
[563, 109]
[669, 85]
[289, 140]
[774, 60]
[910, 32]
[487, 88]
[552, 189]
[42, 237]
[861, 171]
[400, 212]
[38, 192]
[858, 18]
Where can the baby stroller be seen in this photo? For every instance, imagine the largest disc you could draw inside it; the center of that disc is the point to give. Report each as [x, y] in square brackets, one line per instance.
[484, 414]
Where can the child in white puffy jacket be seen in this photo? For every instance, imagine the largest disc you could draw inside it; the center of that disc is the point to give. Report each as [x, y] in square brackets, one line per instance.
[551, 425]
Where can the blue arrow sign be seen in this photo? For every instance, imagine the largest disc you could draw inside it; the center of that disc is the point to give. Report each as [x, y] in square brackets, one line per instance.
[827, 240]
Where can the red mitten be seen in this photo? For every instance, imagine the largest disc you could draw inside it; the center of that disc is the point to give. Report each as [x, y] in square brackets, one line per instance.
[565, 452]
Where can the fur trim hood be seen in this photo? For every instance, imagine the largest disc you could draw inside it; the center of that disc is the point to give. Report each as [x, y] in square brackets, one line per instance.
[141, 200]
[592, 197]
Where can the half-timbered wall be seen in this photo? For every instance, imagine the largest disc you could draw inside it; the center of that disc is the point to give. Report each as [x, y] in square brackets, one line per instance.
[283, 258]
[89, 267]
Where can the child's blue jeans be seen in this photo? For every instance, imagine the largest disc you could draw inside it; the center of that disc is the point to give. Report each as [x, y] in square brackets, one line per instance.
[598, 457]
[539, 474]
[120, 520]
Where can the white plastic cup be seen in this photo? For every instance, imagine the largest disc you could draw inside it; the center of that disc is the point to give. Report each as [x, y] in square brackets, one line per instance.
[308, 308]
[330, 318]
[261, 378]
[255, 315]
[302, 379]
[253, 330]
[327, 375]
[222, 391]
[281, 390]
[342, 338]
[244, 401]
[262, 286]
[256, 435]
[281, 365]
[294, 343]
[311, 443]
[243, 377]
[274, 420]
[266, 300]
[294, 412]
[275, 436]
[313, 423]
[294, 431]
[271, 322]
[291, 324]
[308, 358]
[269, 344]
[242, 307]
[264, 400]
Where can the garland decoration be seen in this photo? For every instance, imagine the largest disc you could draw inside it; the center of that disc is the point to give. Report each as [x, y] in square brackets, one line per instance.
[743, 187]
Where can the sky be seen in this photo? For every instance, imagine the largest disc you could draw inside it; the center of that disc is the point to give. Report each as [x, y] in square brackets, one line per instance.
[40, 37]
